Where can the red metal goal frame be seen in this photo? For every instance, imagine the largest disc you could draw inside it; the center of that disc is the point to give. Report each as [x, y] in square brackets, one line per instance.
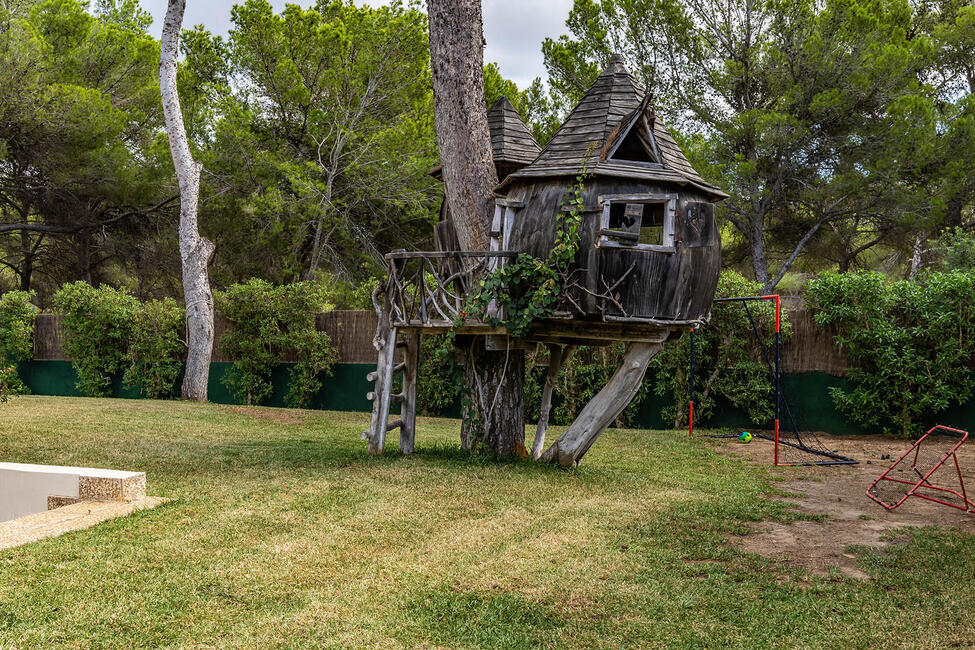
[922, 483]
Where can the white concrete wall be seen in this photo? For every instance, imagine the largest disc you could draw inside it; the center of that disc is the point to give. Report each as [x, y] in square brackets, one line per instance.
[24, 489]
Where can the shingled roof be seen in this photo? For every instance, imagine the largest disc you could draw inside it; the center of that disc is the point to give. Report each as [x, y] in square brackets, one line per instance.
[613, 109]
[511, 140]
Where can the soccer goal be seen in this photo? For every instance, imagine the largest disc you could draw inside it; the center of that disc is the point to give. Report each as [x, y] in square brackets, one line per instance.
[792, 445]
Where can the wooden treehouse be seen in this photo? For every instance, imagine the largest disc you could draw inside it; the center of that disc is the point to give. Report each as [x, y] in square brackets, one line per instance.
[648, 259]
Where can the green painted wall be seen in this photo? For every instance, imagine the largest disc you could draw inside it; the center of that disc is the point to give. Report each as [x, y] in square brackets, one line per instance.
[346, 388]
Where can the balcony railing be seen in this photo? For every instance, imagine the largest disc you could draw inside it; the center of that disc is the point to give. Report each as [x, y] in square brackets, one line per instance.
[431, 288]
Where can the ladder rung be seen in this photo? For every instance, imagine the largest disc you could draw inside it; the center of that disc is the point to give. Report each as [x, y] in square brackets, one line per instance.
[397, 397]
[374, 375]
[395, 424]
[371, 396]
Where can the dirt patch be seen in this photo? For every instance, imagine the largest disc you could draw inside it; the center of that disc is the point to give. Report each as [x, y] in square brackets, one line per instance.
[851, 518]
[282, 416]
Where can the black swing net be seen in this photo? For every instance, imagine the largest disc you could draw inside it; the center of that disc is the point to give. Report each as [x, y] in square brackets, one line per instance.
[752, 358]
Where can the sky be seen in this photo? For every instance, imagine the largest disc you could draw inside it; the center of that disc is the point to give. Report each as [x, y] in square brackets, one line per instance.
[513, 29]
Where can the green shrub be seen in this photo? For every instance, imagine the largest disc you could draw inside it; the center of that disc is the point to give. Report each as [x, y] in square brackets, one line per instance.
[17, 315]
[97, 323]
[156, 351]
[267, 322]
[438, 384]
[909, 343]
[728, 360]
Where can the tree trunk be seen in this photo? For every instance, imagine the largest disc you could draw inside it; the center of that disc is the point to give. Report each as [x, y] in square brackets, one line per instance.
[759, 260]
[494, 420]
[917, 250]
[494, 381]
[463, 137]
[27, 270]
[195, 251]
[84, 256]
[605, 407]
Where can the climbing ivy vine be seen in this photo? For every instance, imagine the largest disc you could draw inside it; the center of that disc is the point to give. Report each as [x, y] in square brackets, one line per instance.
[529, 288]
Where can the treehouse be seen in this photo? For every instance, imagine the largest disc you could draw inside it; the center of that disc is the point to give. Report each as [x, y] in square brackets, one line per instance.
[645, 269]
[649, 250]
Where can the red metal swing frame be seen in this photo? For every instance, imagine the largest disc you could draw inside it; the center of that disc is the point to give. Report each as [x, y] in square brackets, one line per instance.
[923, 483]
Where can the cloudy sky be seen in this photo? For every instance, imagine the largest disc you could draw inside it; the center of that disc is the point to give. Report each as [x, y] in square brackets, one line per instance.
[513, 29]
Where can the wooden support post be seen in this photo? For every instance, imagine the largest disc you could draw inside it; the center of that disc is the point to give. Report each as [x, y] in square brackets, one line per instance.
[557, 355]
[605, 407]
[407, 432]
[380, 404]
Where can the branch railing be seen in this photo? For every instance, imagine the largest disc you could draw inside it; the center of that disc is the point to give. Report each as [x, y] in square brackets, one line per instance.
[431, 288]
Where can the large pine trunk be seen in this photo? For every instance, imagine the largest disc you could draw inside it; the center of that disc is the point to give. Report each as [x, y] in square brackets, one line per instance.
[195, 251]
[494, 401]
[494, 381]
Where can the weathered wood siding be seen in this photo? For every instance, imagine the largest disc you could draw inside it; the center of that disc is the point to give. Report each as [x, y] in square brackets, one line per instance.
[662, 285]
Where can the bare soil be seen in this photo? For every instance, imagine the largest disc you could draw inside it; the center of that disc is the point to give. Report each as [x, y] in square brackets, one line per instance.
[839, 493]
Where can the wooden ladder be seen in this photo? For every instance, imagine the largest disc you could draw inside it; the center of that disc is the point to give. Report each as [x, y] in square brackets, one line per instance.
[388, 340]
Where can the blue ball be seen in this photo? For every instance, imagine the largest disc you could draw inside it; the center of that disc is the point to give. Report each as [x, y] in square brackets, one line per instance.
[745, 437]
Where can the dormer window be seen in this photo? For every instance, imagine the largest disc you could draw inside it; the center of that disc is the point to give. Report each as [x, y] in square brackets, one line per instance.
[637, 145]
[638, 221]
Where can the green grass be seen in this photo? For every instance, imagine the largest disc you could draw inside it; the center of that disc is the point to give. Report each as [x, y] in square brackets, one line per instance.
[289, 534]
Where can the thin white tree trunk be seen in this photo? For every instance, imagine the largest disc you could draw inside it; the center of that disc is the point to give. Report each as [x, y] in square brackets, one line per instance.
[195, 251]
[605, 407]
[916, 252]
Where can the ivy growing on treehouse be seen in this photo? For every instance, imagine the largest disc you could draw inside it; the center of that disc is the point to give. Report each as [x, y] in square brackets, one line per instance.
[528, 288]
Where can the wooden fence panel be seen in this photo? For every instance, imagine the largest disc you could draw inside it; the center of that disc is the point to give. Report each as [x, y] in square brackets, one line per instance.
[47, 338]
[810, 348]
[351, 332]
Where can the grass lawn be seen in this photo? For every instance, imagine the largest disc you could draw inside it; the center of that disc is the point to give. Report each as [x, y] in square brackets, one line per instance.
[284, 532]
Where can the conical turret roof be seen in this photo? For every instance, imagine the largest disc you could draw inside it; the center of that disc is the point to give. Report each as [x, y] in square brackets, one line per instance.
[616, 132]
[511, 141]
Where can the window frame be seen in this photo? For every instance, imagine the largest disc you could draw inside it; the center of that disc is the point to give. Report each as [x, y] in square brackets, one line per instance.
[668, 237]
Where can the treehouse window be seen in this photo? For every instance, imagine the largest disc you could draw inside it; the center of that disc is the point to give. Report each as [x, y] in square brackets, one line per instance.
[641, 222]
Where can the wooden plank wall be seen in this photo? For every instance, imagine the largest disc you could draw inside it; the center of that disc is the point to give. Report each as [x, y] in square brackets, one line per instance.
[810, 349]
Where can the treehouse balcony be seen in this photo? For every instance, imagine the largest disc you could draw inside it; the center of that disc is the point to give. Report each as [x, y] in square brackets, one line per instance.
[429, 292]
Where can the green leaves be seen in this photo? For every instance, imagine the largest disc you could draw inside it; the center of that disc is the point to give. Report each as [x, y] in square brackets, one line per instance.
[909, 343]
[269, 322]
[97, 324]
[156, 349]
[17, 315]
